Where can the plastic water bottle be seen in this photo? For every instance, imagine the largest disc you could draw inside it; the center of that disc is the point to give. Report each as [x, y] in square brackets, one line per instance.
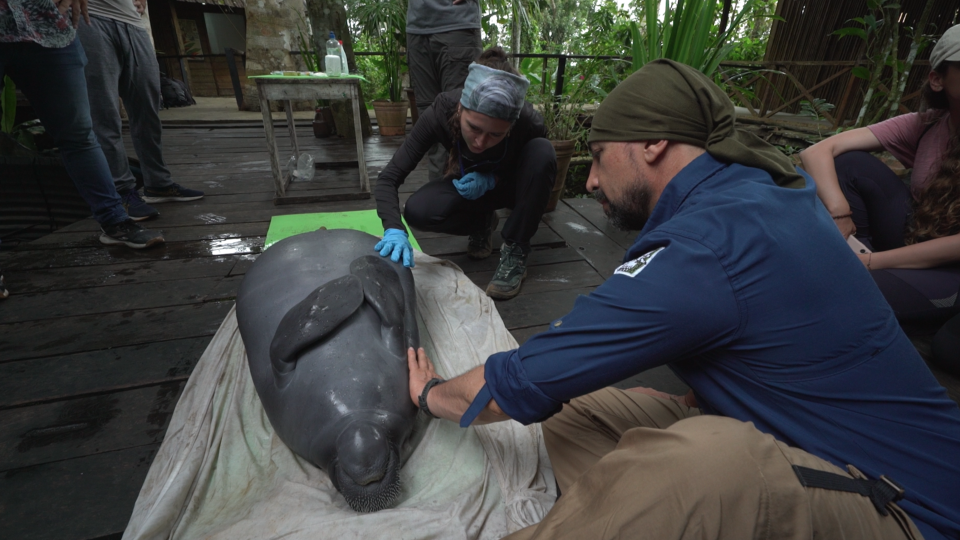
[301, 170]
[331, 62]
[343, 60]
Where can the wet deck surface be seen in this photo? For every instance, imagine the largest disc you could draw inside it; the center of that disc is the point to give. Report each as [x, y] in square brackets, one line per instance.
[97, 342]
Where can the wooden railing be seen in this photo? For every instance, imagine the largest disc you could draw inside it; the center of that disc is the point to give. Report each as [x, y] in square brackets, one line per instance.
[770, 87]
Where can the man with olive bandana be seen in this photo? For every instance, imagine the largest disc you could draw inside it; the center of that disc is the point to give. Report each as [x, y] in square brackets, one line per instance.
[811, 414]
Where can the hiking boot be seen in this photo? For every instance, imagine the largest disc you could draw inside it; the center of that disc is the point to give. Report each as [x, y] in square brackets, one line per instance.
[480, 243]
[172, 193]
[135, 207]
[510, 273]
[130, 234]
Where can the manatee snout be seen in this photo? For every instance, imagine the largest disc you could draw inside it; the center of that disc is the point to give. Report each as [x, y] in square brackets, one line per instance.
[367, 468]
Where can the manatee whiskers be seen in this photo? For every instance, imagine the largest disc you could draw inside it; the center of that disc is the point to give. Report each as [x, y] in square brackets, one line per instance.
[370, 496]
[385, 497]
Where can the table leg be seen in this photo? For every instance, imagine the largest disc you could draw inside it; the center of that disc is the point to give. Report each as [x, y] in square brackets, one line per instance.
[361, 162]
[271, 143]
[293, 130]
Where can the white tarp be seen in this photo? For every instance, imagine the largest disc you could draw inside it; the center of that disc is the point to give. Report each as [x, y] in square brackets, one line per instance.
[222, 472]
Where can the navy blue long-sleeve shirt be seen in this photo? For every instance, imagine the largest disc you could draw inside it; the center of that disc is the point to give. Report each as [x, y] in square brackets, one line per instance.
[748, 293]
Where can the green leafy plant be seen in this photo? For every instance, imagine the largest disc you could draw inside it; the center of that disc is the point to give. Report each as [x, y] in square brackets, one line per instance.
[311, 60]
[563, 115]
[815, 110]
[886, 75]
[686, 34]
[384, 23]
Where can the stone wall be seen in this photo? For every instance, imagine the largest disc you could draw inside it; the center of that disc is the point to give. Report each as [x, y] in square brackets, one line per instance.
[271, 35]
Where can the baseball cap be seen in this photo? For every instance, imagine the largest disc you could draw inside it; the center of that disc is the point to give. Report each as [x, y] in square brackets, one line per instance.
[947, 48]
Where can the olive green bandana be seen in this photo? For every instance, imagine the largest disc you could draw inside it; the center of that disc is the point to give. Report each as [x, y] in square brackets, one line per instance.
[668, 100]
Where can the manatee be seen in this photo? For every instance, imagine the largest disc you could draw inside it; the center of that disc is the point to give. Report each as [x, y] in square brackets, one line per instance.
[326, 323]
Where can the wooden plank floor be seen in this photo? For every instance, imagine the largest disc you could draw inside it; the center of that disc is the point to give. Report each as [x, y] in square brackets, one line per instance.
[97, 342]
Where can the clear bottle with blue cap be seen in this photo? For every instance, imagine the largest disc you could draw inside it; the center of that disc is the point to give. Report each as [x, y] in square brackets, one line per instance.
[331, 62]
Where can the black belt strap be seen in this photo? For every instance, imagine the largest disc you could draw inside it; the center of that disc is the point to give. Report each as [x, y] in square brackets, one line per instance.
[880, 491]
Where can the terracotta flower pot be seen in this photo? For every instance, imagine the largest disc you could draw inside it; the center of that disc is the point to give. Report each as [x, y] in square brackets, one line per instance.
[564, 151]
[391, 117]
[323, 125]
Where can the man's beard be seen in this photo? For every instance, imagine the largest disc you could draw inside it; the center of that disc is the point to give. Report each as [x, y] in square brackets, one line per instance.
[634, 212]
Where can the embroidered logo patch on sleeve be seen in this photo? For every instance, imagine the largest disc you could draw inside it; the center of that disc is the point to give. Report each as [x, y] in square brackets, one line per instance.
[632, 268]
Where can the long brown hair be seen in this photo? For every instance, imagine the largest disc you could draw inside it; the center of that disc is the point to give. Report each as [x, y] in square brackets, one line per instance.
[937, 209]
[495, 58]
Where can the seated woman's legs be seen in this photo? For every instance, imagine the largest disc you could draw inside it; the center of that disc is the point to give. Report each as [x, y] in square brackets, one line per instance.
[881, 204]
[946, 347]
[879, 200]
[922, 299]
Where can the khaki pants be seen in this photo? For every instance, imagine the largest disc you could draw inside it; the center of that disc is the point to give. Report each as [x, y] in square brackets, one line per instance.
[631, 465]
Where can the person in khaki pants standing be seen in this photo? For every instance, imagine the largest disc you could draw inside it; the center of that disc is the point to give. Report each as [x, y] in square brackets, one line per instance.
[810, 415]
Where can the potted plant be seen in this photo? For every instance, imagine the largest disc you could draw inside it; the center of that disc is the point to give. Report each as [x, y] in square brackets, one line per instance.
[384, 22]
[563, 116]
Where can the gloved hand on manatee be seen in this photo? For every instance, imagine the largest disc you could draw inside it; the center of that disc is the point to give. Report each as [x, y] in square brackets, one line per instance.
[326, 326]
[474, 184]
[396, 245]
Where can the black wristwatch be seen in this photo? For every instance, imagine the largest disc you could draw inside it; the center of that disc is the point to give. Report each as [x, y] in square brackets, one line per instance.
[423, 396]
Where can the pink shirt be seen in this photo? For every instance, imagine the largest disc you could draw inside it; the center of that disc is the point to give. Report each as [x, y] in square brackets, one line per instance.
[918, 140]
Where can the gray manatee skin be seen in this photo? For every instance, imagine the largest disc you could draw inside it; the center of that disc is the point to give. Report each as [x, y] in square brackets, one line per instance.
[326, 323]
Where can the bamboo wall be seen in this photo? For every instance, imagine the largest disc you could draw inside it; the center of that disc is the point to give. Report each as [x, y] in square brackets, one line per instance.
[805, 35]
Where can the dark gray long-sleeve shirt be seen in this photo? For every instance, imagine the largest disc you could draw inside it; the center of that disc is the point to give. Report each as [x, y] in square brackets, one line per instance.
[438, 16]
[433, 127]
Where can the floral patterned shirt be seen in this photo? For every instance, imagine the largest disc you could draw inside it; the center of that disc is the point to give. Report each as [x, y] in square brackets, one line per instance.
[35, 21]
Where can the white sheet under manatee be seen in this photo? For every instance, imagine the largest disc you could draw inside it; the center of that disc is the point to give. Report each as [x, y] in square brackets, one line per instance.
[222, 472]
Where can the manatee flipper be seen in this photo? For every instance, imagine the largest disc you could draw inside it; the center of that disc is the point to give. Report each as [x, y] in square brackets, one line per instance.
[383, 292]
[381, 288]
[313, 318]
[411, 331]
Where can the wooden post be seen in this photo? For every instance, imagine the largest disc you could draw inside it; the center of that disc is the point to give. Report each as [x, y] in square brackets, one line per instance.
[184, 70]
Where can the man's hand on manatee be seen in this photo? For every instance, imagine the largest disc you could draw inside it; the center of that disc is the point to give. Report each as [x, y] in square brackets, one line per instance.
[421, 371]
[396, 245]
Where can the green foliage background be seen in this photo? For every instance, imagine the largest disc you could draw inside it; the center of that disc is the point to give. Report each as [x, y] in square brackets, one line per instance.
[592, 28]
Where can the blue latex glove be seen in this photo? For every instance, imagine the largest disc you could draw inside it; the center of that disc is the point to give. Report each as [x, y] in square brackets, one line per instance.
[397, 246]
[474, 184]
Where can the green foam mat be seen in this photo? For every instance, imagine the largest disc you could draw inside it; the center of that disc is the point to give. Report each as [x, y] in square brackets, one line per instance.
[361, 220]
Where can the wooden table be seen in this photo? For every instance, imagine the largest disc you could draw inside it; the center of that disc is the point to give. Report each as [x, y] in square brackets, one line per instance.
[277, 88]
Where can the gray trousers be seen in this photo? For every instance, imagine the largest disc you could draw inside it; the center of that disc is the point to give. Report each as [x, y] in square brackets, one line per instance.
[439, 63]
[122, 64]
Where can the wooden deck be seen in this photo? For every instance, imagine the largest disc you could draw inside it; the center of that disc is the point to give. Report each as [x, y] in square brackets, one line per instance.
[96, 342]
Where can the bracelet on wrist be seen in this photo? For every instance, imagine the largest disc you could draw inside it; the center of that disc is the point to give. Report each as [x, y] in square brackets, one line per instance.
[842, 216]
[423, 396]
